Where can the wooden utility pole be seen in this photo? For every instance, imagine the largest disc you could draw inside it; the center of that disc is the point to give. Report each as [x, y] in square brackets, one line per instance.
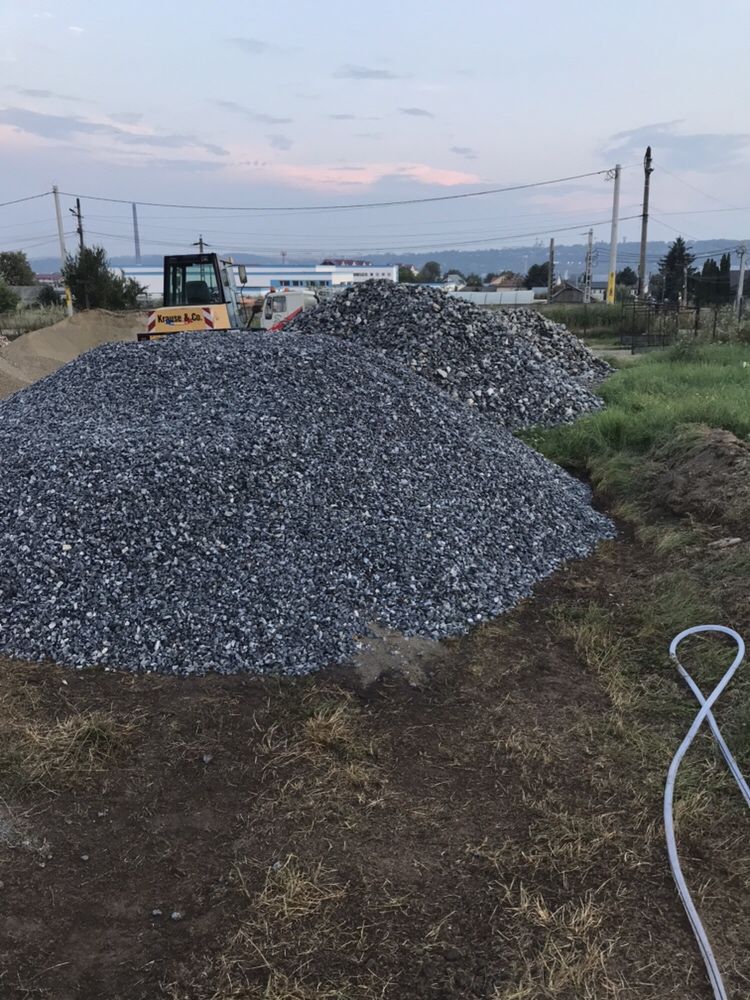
[647, 171]
[76, 213]
[551, 274]
[613, 236]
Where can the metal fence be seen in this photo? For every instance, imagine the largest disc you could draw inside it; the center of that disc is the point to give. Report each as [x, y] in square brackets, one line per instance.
[654, 324]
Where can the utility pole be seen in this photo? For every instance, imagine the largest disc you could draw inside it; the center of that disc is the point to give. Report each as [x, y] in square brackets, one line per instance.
[199, 243]
[136, 235]
[684, 286]
[63, 253]
[741, 250]
[647, 171]
[613, 236]
[76, 213]
[588, 273]
[551, 273]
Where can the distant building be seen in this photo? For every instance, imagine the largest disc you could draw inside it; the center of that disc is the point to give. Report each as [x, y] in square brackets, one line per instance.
[264, 278]
[599, 290]
[408, 267]
[452, 281]
[567, 293]
[341, 262]
[508, 281]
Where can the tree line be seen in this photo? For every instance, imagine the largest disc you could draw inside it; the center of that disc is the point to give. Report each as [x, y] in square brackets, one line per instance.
[677, 276]
[92, 283]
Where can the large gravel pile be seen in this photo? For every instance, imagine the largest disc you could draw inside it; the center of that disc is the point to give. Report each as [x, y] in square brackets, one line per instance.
[250, 502]
[515, 365]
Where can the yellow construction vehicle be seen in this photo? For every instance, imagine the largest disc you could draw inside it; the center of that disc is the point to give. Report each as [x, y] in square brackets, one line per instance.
[200, 294]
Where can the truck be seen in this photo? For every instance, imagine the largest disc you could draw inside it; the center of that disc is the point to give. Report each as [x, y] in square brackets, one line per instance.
[201, 294]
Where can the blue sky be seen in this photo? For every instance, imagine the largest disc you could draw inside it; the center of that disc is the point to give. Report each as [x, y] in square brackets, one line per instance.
[305, 104]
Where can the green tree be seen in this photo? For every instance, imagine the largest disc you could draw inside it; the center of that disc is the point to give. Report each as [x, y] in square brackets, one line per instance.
[724, 288]
[537, 276]
[406, 274]
[15, 268]
[430, 271]
[626, 277]
[656, 287]
[673, 267]
[8, 298]
[48, 296]
[474, 282]
[707, 286]
[94, 286]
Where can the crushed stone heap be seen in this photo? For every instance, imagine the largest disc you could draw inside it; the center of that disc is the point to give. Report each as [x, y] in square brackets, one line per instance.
[514, 364]
[246, 502]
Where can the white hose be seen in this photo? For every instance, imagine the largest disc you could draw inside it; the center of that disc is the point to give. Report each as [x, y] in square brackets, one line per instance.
[704, 714]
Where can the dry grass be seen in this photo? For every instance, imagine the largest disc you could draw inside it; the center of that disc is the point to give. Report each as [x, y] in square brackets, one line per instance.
[333, 760]
[288, 921]
[292, 891]
[562, 953]
[68, 751]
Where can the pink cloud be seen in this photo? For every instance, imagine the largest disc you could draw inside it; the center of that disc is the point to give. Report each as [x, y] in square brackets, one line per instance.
[367, 174]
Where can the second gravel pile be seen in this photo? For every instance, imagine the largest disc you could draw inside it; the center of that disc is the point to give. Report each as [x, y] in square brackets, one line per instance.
[245, 502]
[514, 364]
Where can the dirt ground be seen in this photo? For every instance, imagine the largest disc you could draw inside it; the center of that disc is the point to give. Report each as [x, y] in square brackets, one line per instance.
[482, 822]
[41, 352]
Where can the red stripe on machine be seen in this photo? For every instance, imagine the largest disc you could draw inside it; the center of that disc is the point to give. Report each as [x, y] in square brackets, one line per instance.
[287, 319]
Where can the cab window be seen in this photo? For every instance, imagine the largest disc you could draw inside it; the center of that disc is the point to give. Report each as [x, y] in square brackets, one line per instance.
[191, 282]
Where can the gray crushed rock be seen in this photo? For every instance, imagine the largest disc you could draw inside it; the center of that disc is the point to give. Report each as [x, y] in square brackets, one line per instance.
[249, 502]
[513, 364]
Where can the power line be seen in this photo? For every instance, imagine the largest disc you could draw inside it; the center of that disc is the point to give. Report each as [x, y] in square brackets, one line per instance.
[389, 248]
[339, 208]
[31, 197]
[708, 211]
[705, 194]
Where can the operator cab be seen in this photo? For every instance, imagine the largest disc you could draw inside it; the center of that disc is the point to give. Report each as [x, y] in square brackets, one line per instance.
[195, 280]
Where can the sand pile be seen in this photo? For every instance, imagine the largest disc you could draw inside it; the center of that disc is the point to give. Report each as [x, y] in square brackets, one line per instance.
[41, 352]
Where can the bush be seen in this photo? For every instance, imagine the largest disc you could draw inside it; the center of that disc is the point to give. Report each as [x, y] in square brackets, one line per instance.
[47, 296]
[8, 298]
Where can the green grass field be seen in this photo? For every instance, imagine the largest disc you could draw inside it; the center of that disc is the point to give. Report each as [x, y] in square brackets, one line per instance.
[647, 403]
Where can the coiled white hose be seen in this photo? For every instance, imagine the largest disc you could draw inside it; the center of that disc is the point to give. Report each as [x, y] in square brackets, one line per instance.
[706, 704]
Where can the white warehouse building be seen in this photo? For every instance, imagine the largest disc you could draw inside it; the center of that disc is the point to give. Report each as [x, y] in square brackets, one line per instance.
[264, 278]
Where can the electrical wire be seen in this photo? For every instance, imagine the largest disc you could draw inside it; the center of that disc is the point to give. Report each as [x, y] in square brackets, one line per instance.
[705, 194]
[31, 197]
[340, 208]
[704, 715]
[385, 248]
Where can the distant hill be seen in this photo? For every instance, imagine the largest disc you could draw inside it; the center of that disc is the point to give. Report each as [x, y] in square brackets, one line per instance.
[569, 258]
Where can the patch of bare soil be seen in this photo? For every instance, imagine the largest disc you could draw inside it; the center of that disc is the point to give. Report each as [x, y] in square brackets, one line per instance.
[486, 825]
[705, 474]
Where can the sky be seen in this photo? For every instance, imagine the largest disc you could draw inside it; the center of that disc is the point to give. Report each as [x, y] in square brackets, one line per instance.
[294, 107]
